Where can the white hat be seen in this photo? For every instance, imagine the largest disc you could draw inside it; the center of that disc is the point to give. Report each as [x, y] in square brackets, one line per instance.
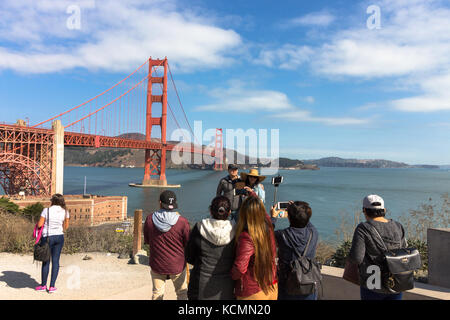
[373, 202]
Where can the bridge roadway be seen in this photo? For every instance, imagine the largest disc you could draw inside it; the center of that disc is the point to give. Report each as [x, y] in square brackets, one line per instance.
[19, 135]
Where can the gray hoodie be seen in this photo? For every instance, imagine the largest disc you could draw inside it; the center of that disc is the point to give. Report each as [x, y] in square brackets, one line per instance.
[164, 220]
[218, 232]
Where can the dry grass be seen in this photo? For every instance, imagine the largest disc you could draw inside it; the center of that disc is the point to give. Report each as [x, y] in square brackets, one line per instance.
[16, 237]
[15, 234]
[324, 252]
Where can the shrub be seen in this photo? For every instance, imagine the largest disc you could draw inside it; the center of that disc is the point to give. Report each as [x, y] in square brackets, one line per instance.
[16, 237]
[340, 256]
[33, 212]
[324, 252]
[8, 206]
[428, 215]
[93, 239]
[16, 233]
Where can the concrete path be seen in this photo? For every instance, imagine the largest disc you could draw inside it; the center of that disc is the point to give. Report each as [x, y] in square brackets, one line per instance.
[104, 277]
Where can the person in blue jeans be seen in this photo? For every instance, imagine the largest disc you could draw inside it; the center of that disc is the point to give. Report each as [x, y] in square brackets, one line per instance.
[54, 220]
[299, 213]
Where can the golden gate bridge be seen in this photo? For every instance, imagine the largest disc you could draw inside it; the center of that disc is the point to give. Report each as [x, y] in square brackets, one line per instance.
[32, 156]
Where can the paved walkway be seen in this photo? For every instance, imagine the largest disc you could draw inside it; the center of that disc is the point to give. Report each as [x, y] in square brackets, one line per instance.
[104, 277]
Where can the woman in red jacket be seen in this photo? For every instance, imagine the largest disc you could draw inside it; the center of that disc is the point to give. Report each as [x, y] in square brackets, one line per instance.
[255, 265]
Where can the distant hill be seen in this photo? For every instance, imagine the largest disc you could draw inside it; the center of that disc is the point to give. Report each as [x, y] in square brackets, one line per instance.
[368, 163]
[118, 157]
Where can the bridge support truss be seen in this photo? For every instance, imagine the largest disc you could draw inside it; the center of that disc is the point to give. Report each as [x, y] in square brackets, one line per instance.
[155, 159]
[31, 160]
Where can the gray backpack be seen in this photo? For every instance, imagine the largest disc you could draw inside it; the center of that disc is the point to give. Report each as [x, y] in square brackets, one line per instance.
[304, 277]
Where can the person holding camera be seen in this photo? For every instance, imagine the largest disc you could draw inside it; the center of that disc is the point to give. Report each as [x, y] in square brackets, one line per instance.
[253, 184]
[300, 235]
[226, 188]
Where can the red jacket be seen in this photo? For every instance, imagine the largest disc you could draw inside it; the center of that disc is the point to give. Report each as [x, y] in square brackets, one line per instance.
[243, 266]
[167, 248]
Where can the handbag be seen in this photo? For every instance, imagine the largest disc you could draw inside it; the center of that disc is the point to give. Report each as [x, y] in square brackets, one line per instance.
[42, 249]
[400, 265]
[304, 275]
[351, 272]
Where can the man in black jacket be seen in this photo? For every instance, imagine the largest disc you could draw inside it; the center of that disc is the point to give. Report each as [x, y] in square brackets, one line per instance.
[226, 188]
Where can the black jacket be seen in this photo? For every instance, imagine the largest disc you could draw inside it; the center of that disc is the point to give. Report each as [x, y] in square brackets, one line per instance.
[299, 237]
[211, 251]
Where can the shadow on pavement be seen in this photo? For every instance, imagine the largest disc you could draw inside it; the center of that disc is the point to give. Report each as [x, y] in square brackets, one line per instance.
[18, 280]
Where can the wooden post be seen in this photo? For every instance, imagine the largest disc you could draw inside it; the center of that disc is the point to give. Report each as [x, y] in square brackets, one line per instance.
[137, 235]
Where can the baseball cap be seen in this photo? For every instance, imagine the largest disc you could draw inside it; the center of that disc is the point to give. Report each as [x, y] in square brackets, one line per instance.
[232, 167]
[168, 200]
[373, 201]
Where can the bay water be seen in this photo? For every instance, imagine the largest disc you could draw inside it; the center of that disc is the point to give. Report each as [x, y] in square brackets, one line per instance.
[330, 192]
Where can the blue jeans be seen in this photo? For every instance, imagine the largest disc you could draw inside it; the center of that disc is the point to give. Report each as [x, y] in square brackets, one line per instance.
[367, 294]
[282, 295]
[56, 243]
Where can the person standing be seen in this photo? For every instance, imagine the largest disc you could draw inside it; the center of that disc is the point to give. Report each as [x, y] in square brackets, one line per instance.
[364, 251]
[254, 267]
[294, 239]
[211, 251]
[167, 234]
[226, 187]
[253, 183]
[54, 220]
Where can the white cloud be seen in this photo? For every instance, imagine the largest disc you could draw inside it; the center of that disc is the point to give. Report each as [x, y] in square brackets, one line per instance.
[320, 19]
[412, 47]
[114, 35]
[237, 98]
[286, 57]
[306, 116]
[276, 104]
[309, 99]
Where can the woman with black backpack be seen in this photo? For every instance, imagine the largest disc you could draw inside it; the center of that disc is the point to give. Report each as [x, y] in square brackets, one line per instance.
[367, 252]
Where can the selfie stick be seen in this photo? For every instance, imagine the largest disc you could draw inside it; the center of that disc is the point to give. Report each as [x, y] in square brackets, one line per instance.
[276, 185]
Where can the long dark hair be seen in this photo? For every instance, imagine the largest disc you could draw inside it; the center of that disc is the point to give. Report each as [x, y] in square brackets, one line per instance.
[252, 217]
[247, 181]
[58, 200]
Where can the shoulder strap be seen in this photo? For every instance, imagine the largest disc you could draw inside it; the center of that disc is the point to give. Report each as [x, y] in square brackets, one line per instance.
[375, 231]
[48, 224]
[293, 246]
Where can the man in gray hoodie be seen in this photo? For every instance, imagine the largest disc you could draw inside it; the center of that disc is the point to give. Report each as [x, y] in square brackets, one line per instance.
[167, 234]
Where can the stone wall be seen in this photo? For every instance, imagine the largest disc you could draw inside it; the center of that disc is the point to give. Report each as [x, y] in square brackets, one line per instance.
[439, 257]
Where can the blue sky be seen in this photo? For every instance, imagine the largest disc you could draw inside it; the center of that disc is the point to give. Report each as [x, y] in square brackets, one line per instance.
[314, 70]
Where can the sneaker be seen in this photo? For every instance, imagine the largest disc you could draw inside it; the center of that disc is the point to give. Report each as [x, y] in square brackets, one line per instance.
[51, 289]
[41, 288]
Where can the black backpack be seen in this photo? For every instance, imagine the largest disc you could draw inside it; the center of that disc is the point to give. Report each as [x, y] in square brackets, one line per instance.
[398, 265]
[304, 277]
